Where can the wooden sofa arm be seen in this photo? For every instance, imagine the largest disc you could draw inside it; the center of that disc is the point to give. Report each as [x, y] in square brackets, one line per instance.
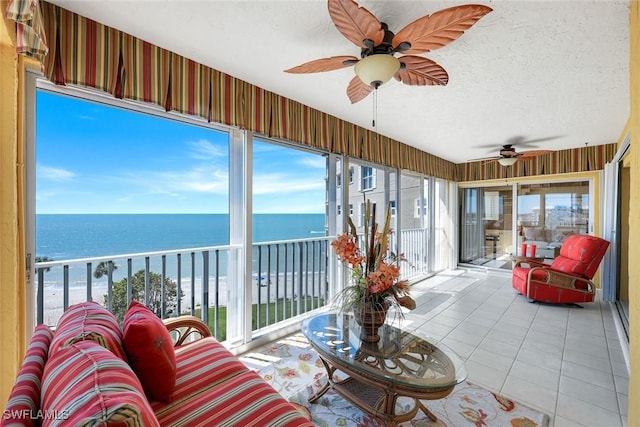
[532, 262]
[185, 329]
[563, 280]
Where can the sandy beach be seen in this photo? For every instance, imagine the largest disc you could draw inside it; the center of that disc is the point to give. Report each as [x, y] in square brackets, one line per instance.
[54, 295]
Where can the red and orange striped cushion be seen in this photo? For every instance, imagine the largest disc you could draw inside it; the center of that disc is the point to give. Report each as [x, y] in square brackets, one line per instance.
[214, 388]
[24, 400]
[86, 385]
[88, 321]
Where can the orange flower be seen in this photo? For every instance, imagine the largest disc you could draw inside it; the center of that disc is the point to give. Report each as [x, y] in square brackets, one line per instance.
[383, 278]
[347, 250]
[374, 268]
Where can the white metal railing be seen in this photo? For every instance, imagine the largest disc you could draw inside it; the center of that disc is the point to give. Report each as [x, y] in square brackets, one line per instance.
[413, 244]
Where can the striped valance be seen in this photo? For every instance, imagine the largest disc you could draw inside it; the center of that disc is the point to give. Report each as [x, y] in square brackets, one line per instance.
[86, 53]
[562, 161]
[31, 37]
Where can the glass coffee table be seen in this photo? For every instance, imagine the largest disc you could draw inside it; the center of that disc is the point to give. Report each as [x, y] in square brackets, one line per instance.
[402, 364]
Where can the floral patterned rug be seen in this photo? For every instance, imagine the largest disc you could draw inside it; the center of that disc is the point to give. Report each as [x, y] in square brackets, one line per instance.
[293, 368]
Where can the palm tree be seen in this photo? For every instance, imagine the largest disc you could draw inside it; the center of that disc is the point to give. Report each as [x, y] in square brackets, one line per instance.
[102, 269]
[44, 259]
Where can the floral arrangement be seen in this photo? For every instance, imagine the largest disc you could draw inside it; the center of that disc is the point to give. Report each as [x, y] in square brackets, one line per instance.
[374, 269]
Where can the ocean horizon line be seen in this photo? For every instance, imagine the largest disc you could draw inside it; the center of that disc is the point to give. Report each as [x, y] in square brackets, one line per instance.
[174, 213]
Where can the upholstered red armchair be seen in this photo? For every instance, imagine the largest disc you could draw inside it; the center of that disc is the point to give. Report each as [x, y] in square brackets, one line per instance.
[568, 279]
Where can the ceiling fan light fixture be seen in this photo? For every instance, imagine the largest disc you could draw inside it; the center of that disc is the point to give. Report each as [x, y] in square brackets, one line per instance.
[375, 70]
[507, 161]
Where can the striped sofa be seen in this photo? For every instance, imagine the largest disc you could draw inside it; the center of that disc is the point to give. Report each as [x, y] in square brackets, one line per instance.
[85, 375]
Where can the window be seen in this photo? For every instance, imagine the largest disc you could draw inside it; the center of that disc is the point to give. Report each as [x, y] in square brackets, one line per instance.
[339, 210]
[351, 175]
[350, 209]
[361, 212]
[392, 206]
[491, 205]
[338, 180]
[419, 210]
[367, 179]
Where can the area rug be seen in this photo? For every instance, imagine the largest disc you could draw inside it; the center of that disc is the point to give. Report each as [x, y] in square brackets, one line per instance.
[468, 405]
[294, 369]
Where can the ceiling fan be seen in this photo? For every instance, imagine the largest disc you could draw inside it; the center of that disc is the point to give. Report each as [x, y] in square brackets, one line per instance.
[379, 45]
[509, 156]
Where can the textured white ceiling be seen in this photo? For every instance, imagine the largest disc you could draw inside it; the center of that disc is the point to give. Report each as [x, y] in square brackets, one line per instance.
[555, 71]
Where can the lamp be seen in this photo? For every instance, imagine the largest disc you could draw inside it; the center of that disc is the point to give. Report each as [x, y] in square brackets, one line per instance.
[375, 70]
[507, 161]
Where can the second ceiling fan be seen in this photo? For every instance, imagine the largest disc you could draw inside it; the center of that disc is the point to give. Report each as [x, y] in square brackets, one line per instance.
[379, 45]
[508, 155]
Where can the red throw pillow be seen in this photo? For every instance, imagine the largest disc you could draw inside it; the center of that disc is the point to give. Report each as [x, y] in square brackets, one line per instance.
[150, 351]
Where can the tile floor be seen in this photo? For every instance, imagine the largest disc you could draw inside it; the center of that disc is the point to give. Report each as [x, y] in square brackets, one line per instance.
[565, 361]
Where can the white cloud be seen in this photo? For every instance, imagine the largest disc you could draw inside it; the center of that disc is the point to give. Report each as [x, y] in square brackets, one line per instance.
[317, 162]
[197, 180]
[54, 174]
[204, 150]
[281, 183]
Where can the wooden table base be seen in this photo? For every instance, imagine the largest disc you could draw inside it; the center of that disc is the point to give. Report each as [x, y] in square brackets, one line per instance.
[376, 397]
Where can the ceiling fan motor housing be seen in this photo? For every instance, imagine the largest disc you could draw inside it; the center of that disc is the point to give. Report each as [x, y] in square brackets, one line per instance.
[385, 47]
[508, 151]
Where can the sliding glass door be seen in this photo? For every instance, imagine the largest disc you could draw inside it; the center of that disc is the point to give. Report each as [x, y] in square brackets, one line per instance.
[487, 226]
[492, 229]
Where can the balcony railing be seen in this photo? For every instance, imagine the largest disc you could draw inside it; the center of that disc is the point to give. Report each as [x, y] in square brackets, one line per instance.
[289, 278]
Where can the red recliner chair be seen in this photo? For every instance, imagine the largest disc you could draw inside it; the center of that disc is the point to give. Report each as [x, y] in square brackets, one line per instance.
[568, 279]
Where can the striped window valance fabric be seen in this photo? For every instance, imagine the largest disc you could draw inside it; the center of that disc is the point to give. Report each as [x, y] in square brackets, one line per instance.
[582, 159]
[86, 53]
[31, 39]
[145, 71]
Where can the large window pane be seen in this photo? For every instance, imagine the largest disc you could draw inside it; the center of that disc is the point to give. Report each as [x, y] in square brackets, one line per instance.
[112, 181]
[289, 259]
[442, 244]
[548, 213]
[486, 232]
[413, 233]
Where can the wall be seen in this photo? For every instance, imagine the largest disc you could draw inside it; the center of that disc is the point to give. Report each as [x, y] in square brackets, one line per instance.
[634, 217]
[12, 286]
[625, 192]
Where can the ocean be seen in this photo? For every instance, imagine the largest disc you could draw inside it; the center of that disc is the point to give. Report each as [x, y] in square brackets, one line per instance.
[67, 237]
[71, 236]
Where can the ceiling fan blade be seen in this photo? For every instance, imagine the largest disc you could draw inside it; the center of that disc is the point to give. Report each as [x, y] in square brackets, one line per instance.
[439, 29]
[534, 153]
[521, 141]
[419, 71]
[355, 23]
[324, 64]
[358, 90]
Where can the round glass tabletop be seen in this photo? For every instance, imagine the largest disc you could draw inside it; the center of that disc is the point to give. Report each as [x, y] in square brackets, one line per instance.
[401, 357]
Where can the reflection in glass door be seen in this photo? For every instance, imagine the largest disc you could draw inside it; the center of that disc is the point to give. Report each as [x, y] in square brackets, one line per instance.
[487, 226]
[547, 213]
[471, 226]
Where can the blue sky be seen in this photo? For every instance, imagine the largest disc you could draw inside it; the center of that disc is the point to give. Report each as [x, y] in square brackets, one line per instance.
[92, 158]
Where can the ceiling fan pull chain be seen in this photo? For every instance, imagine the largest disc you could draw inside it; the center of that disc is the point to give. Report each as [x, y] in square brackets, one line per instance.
[375, 107]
